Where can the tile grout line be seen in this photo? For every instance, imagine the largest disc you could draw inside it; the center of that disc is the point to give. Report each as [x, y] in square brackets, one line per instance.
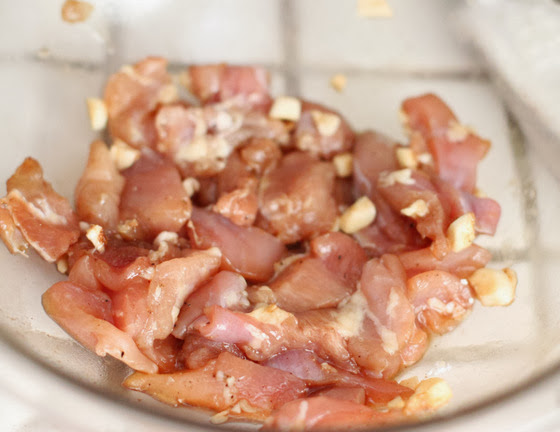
[290, 38]
[291, 67]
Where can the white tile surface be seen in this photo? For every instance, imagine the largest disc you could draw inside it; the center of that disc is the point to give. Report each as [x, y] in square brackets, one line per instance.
[238, 31]
[33, 25]
[418, 36]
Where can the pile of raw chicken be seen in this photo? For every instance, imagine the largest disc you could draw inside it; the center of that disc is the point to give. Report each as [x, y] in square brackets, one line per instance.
[256, 256]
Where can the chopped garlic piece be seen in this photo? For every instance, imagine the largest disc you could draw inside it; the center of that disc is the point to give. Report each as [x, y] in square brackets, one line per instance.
[403, 176]
[328, 368]
[270, 314]
[425, 158]
[220, 418]
[327, 123]
[494, 287]
[396, 404]
[461, 232]
[343, 164]
[168, 94]
[96, 237]
[359, 215]
[205, 147]
[457, 132]
[97, 113]
[166, 237]
[62, 265]
[418, 208]
[286, 108]
[338, 82]
[431, 394]
[406, 157]
[374, 9]
[191, 186]
[479, 193]
[84, 226]
[128, 228]
[404, 119]
[123, 155]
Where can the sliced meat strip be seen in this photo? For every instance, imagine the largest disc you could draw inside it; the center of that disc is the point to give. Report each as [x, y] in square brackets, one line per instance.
[221, 384]
[326, 413]
[44, 218]
[226, 289]
[197, 351]
[322, 132]
[461, 264]
[310, 368]
[98, 191]
[296, 199]
[86, 315]
[131, 96]
[238, 244]
[245, 86]
[388, 337]
[374, 154]
[154, 196]
[441, 301]
[455, 149]
[171, 284]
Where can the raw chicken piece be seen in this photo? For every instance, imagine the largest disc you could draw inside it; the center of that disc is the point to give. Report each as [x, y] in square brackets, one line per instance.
[324, 278]
[321, 131]
[240, 205]
[154, 196]
[99, 189]
[238, 244]
[9, 232]
[456, 150]
[86, 315]
[118, 266]
[269, 330]
[226, 289]
[431, 221]
[171, 284]
[440, 299]
[131, 97]
[325, 413]
[458, 202]
[352, 394]
[244, 86]
[44, 218]
[221, 384]
[261, 155]
[296, 199]
[462, 263]
[197, 351]
[391, 231]
[308, 284]
[342, 255]
[310, 368]
[389, 337]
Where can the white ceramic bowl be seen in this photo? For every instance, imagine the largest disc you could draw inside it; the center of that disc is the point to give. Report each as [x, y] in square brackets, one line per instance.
[497, 362]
